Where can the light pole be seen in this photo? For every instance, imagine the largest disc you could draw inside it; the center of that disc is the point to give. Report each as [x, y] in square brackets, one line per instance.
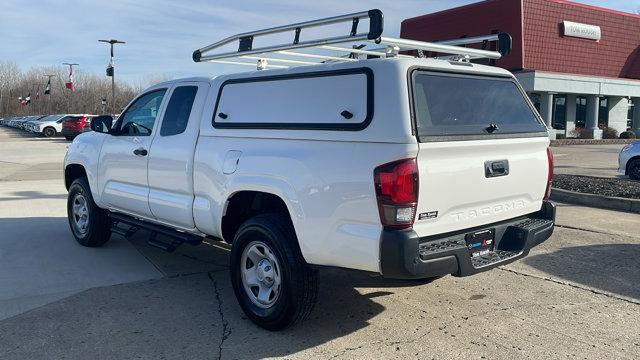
[111, 72]
[47, 91]
[69, 85]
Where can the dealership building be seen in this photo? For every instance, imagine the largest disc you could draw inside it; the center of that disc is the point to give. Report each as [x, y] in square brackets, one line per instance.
[580, 64]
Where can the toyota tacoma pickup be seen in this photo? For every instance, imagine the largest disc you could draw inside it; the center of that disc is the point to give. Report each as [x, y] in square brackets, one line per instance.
[410, 167]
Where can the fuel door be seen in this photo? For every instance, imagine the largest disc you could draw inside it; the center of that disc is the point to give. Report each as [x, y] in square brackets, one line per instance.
[231, 161]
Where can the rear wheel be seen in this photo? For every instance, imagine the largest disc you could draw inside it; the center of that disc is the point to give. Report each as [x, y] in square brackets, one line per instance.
[49, 132]
[70, 138]
[271, 281]
[633, 169]
[89, 224]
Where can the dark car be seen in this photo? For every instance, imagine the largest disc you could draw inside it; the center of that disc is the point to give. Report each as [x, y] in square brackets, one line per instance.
[74, 125]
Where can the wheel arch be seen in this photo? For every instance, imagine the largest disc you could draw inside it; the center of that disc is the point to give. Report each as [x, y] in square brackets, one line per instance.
[242, 205]
[73, 172]
[629, 162]
[55, 131]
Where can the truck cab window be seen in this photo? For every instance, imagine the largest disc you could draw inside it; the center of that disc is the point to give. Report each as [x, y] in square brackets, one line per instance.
[139, 118]
[178, 111]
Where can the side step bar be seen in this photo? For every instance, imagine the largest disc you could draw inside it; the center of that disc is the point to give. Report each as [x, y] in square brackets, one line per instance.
[175, 237]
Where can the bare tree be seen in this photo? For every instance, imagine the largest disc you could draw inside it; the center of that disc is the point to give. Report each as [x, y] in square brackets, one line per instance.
[89, 90]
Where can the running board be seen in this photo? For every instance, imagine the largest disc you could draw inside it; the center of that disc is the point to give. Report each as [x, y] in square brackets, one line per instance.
[175, 237]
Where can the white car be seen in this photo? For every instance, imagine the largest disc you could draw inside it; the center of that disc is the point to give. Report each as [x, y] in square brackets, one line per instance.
[49, 126]
[629, 160]
[402, 166]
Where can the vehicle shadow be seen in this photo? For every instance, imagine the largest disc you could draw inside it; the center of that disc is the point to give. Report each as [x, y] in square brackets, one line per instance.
[613, 268]
[347, 301]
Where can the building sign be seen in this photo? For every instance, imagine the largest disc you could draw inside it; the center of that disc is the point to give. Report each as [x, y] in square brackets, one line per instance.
[584, 31]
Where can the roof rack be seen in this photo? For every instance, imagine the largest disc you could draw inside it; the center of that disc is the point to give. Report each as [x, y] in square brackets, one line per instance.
[348, 47]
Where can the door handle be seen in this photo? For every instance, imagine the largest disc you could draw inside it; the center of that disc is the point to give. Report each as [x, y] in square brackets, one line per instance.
[496, 168]
[140, 152]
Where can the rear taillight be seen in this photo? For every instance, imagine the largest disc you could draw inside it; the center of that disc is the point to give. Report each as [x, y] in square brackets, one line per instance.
[397, 192]
[547, 192]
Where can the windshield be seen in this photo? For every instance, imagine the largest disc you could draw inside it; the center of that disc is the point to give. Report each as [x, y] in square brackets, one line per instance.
[448, 104]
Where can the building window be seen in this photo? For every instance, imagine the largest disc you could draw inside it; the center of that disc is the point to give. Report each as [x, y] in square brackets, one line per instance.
[559, 112]
[535, 99]
[581, 111]
[603, 113]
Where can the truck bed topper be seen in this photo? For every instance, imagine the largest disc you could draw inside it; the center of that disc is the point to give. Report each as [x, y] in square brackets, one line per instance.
[349, 47]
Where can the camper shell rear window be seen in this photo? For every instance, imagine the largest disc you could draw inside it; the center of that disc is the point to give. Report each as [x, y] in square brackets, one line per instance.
[323, 100]
[449, 105]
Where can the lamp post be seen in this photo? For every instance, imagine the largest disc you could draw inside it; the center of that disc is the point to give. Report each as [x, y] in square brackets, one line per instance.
[111, 72]
[104, 106]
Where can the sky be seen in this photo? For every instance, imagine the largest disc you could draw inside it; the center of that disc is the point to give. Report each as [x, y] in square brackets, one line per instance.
[161, 35]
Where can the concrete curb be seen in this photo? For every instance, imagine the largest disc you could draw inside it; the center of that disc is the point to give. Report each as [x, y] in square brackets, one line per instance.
[565, 142]
[597, 201]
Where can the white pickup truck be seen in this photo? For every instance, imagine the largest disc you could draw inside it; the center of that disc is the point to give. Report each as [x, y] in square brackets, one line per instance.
[374, 160]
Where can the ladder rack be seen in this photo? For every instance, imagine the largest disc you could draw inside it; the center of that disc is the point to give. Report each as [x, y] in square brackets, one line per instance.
[349, 47]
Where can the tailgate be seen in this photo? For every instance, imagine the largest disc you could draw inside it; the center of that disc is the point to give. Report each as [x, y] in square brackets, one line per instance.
[482, 151]
[457, 191]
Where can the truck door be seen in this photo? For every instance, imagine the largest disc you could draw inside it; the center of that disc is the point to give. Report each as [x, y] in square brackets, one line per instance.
[122, 166]
[171, 155]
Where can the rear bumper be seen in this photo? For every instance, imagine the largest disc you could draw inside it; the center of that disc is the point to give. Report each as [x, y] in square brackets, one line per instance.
[404, 255]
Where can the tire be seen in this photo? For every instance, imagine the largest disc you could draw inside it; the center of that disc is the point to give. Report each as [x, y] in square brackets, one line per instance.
[633, 169]
[49, 132]
[95, 230]
[296, 295]
[70, 138]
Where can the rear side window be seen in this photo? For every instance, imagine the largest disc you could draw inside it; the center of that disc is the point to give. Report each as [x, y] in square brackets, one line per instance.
[331, 100]
[447, 104]
[177, 114]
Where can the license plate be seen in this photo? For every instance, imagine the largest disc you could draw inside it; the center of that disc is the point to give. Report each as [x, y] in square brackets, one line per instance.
[480, 242]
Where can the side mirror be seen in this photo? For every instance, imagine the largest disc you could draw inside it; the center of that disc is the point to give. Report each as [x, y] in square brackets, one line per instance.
[102, 124]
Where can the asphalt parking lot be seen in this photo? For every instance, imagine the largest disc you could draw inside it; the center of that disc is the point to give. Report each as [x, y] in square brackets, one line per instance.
[575, 296]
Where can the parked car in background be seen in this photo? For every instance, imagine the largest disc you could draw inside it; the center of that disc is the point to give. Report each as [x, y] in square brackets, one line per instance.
[49, 126]
[629, 161]
[32, 120]
[74, 125]
[23, 122]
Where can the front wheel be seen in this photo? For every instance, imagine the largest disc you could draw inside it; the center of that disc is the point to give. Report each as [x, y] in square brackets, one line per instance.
[633, 169]
[271, 281]
[89, 224]
[49, 132]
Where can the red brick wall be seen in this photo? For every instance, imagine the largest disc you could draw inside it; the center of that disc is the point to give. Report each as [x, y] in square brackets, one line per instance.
[547, 50]
[471, 20]
[538, 40]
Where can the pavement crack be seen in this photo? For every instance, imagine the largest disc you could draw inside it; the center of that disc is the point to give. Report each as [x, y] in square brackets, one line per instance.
[158, 268]
[587, 230]
[226, 328]
[575, 286]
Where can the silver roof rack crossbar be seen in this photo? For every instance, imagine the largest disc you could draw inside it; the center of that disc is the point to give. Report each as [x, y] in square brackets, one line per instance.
[503, 39]
[349, 47]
